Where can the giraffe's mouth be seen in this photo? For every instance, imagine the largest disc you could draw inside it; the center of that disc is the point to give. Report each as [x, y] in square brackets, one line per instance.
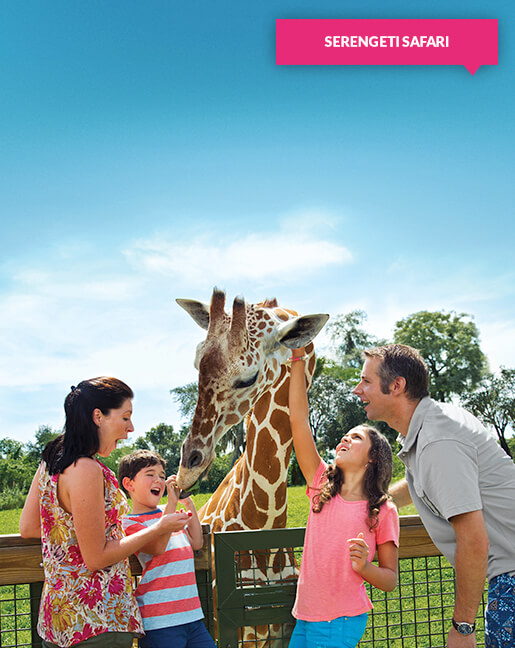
[189, 479]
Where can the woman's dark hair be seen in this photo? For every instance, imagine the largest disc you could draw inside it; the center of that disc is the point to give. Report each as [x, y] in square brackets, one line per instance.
[80, 436]
[375, 480]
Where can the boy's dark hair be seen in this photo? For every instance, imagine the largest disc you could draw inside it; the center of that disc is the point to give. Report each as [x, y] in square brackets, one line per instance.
[131, 464]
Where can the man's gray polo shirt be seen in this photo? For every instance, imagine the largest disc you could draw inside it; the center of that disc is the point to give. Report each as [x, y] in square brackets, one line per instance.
[454, 466]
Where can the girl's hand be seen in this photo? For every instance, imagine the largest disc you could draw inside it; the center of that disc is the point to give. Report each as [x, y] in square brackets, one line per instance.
[358, 549]
[298, 353]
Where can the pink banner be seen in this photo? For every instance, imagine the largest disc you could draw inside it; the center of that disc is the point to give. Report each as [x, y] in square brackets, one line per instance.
[467, 42]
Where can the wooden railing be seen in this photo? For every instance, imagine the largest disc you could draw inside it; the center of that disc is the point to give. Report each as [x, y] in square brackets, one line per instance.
[421, 568]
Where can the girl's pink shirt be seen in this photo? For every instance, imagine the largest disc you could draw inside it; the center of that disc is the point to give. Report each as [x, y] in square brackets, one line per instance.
[328, 587]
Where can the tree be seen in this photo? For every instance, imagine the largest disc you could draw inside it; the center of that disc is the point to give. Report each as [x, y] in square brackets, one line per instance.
[163, 440]
[16, 470]
[35, 448]
[449, 343]
[351, 340]
[494, 404]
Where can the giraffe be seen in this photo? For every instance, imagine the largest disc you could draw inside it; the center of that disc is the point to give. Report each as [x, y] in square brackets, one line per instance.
[243, 374]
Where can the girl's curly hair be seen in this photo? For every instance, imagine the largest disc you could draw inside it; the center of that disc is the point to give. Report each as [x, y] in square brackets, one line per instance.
[375, 480]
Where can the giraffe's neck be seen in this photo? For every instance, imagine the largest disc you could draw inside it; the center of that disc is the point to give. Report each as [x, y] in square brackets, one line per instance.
[254, 493]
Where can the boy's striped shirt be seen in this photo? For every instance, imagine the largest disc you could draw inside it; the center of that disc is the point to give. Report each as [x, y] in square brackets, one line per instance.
[167, 593]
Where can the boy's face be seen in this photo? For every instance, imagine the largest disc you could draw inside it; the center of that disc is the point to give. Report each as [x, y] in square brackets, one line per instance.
[147, 487]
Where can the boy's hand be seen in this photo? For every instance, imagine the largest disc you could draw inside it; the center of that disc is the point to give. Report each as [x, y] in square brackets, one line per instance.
[172, 491]
[358, 549]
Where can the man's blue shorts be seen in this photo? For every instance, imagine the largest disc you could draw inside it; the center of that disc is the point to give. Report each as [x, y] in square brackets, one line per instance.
[500, 612]
[187, 635]
[343, 632]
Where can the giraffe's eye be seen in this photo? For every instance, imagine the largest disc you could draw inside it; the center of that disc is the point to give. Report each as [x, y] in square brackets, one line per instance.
[240, 384]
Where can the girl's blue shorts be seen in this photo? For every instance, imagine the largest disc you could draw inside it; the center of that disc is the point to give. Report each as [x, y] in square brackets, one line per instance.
[343, 632]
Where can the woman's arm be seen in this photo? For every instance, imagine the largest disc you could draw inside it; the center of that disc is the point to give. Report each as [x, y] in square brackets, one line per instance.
[30, 521]
[303, 442]
[85, 490]
[382, 576]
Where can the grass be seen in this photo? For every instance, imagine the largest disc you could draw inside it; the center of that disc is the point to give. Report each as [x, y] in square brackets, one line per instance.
[298, 509]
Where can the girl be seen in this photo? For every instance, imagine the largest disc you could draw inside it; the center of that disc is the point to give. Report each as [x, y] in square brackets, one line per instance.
[75, 507]
[350, 516]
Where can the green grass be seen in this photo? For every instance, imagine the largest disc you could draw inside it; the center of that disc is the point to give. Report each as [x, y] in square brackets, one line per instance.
[10, 521]
[298, 509]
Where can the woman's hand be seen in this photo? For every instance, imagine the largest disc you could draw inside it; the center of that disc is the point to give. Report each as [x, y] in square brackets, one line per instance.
[173, 522]
[358, 549]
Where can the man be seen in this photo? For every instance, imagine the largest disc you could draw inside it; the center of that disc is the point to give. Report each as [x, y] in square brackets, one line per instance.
[461, 482]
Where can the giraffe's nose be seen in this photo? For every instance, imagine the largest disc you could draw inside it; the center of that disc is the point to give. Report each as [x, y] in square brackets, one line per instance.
[195, 459]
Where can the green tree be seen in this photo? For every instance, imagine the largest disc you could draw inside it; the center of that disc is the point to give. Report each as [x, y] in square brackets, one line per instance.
[494, 404]
[163, 440]
[35, 448]
[16, 470]
[449, 343]
[350, 340]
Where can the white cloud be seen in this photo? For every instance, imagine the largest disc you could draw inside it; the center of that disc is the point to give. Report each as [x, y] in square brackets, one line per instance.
[256, 257]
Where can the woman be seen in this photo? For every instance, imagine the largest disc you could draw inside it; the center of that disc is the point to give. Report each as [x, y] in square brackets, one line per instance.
[75, 506]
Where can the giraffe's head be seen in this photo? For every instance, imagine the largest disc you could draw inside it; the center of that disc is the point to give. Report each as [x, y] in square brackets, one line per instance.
[240, 359]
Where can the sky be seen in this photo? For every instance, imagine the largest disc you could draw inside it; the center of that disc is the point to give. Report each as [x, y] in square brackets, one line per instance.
[152, 151]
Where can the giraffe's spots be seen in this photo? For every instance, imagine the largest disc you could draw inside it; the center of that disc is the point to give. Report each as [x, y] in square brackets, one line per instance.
[280, 496]
[231, 419]
[266, 462]
[244, 407]
[269, 375]
[281, 395]
[280, 521]
[261, 325]
[280, 420]
[282, 314]
[260, 497]
[254, 519]
[250, 361]
[233, 527]
[262, 407]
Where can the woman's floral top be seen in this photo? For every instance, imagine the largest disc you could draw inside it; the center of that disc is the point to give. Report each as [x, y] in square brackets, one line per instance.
[77, 603]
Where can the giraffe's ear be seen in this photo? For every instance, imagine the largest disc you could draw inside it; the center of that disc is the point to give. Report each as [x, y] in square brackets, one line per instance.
[198, 310]
[300, 331]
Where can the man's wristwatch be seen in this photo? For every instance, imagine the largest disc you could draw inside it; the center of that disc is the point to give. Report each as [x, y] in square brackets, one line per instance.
[464, 628]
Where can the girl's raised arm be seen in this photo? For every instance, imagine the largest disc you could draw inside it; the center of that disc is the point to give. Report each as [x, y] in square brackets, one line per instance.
[304, 444]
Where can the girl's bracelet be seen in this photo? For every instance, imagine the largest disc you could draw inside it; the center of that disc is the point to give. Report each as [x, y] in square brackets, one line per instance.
[291, 360]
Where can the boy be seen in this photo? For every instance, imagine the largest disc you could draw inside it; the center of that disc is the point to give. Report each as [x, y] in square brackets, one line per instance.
[167, 592]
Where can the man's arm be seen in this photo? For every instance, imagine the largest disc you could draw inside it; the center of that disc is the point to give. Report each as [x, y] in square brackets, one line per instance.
[400, 493]
[470, 564]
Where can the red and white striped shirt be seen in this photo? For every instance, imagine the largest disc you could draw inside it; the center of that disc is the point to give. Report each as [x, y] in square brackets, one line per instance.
[167, 593]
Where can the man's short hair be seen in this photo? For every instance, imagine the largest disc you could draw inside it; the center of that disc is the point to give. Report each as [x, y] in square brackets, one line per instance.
[405, 361]
[131, 464]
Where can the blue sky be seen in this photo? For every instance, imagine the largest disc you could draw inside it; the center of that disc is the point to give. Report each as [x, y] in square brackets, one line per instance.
[153, 150]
